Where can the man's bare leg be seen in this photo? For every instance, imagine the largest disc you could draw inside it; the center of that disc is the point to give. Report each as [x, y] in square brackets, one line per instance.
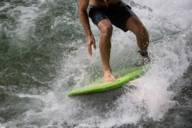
[142, 36]
[105, 28]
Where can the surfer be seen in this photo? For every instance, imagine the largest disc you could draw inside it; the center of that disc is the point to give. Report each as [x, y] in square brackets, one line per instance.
[104, 14]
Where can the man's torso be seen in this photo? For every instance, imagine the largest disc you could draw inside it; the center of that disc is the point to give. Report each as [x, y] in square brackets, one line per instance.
[103, 3]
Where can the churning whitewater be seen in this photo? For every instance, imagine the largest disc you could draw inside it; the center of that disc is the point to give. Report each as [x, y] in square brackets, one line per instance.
[43, 56]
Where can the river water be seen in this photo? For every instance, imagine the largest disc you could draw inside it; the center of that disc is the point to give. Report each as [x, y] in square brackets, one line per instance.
[43, 55]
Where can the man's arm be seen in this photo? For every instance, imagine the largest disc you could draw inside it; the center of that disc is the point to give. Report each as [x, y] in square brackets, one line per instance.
[82, 9]
[83, 5]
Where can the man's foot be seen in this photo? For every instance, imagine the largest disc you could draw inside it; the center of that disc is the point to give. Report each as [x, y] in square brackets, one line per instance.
[146, 60]
[108, 77]
[145, 57]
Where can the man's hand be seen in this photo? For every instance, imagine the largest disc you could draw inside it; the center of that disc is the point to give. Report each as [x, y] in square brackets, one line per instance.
[83, 5]
[91, 44]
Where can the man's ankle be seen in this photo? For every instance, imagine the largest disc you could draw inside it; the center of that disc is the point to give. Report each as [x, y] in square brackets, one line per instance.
[144, 53]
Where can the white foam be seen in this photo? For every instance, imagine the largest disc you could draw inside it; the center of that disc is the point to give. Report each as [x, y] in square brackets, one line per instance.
[152, 98]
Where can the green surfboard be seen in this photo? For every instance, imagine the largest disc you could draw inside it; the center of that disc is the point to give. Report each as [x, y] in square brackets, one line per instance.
[103, 87]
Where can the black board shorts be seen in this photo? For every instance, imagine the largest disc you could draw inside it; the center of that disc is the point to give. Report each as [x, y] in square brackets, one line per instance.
[118, 14]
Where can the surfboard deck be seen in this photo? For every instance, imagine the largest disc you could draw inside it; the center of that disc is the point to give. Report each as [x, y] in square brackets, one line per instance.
[107, 86]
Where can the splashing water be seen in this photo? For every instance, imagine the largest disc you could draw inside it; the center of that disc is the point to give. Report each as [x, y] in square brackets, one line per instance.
[170, 30]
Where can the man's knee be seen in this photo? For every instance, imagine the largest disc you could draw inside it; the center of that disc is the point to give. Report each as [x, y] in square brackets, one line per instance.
[106, 29]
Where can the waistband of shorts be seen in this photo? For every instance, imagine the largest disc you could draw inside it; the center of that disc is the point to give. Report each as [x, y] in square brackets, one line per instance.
[111, 6]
